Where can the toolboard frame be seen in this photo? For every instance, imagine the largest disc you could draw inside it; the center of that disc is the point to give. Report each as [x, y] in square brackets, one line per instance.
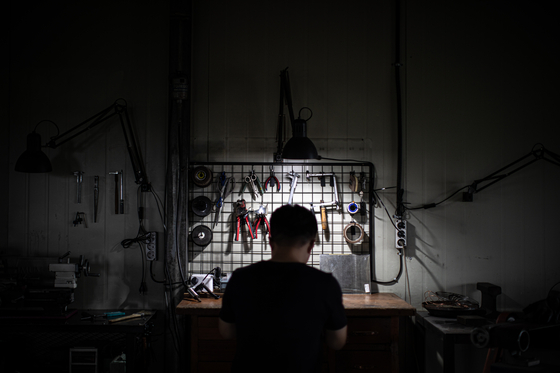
[224, 251]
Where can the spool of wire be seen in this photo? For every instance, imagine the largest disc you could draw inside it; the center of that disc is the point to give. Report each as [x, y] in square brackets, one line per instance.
[353, 232]
[353, 208]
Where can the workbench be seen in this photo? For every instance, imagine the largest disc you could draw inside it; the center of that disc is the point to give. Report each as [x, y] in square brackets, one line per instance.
[44, 341]
[373, 343]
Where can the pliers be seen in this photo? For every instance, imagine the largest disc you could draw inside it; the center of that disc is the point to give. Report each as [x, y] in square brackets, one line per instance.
[271, 180]
[242, 214]
[261, 216]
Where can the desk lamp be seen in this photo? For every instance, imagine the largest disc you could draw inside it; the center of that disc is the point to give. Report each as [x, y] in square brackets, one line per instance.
[299, 146]
[33, 160]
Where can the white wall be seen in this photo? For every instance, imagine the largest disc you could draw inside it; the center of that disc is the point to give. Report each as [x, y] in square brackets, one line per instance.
[479, 84]
[67, 62]
[479, 92]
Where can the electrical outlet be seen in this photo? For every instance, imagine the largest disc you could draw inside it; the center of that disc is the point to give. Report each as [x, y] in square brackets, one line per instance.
[151, 246]
[400, 234]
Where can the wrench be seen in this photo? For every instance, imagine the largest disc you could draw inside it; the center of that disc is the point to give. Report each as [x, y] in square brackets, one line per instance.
[292, 175]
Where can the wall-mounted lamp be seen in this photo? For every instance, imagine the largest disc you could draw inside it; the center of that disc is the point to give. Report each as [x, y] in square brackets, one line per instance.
[33, 160]
[537, 153]
[299, 146]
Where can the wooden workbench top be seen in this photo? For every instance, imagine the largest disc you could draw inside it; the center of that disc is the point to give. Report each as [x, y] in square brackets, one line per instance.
[378, 304]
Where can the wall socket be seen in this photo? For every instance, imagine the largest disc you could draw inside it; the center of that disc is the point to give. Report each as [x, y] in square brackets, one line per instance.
[151, 246]
[400, 234]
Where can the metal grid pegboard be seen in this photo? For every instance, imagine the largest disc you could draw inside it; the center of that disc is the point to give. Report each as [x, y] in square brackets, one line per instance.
[224, 251]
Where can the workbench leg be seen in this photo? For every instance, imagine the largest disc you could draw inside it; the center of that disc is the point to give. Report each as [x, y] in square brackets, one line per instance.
[130, 352]
[439, 353]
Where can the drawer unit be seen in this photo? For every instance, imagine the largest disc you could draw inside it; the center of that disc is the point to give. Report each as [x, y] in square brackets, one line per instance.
[371, 346]
[369, 330]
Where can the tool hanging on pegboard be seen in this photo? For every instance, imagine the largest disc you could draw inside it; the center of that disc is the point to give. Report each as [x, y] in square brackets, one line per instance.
[353, 232]
[201, 206]
[201, 235]
[202, 176]
[242, 214]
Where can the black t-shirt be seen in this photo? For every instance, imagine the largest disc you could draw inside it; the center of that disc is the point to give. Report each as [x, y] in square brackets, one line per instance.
[280, 311]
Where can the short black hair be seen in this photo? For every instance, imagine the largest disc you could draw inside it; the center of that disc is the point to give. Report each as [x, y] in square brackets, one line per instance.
[292, 225]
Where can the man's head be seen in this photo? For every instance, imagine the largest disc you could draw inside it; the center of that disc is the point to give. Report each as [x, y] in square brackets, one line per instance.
[292, 227]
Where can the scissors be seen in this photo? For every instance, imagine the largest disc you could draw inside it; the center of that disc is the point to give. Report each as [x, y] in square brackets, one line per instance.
[225, 186]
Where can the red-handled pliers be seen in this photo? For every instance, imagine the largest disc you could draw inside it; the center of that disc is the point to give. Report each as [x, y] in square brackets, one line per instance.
[242, 214]
[271, 180]
[261, 216]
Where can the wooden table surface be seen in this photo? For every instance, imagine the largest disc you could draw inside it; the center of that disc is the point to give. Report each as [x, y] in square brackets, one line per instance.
[377, 304]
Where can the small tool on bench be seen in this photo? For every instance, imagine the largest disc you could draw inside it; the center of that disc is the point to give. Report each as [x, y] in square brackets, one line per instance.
[130, 317]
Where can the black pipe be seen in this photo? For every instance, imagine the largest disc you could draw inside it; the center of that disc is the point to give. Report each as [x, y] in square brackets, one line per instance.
[400, 191]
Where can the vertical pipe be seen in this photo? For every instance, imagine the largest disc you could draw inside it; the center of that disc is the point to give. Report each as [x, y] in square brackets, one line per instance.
[398, 65]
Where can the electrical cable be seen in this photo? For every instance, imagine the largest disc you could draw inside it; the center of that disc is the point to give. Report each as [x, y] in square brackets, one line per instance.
[386, 211]
[341, 160]
[396, 279]
[140, 239]
[407, 278]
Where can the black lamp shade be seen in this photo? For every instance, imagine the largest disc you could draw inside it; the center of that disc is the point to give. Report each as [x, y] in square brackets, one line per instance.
[300, 146]
[33, 160]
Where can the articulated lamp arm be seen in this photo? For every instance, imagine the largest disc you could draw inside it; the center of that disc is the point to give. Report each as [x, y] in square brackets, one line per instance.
[119, 107]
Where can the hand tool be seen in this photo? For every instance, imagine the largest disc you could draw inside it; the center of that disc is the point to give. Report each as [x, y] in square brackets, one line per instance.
[259, 185]
[79, 219]
[272, 180]
[95, 197]
[106, 315]
[79, 179]
[133, 316]
[202, 176]
[261, 216]
[335, 201]
[225, 187]
[119, 191]
[363, 206]
[324, 223]
[201, 235]
[193, 293]
[242, 214]
[252, 180]
[354, 182]
[294, 179]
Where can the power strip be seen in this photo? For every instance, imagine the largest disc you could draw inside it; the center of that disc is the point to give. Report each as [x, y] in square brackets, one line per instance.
[151, 246]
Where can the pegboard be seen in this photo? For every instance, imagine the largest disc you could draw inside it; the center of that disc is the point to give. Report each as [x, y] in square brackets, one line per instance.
[229, 254]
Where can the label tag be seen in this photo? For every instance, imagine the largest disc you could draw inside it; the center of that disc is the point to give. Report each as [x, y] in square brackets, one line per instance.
[366, 288]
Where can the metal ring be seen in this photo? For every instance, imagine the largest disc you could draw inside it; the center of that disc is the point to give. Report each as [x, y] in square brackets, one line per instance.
[350, 225]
